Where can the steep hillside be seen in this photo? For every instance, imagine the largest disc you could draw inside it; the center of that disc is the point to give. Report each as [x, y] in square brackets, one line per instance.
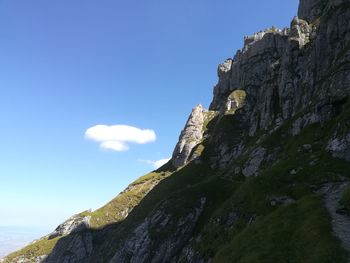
[262, 176]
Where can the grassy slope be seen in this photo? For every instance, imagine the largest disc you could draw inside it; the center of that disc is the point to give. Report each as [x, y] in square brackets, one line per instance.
[111, 213]
[299, 232]
[41, 247]
[177, 194]
[116, 210]
[294, 233]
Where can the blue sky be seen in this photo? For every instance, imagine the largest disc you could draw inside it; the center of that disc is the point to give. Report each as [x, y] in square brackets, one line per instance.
[66, 66]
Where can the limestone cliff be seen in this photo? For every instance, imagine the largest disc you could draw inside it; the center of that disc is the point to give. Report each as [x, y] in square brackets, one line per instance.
[191, 135]
[262, 176]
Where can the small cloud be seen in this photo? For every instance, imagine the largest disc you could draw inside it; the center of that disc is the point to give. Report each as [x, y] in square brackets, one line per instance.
[117, 137]
[156, 164]
[161, 162]
[114, 145]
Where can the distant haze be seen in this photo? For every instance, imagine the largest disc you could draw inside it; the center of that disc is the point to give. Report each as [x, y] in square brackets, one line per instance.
[14, 238]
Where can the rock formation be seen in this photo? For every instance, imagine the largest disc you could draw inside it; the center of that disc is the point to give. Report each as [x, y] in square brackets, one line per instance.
[190, 136]
[74, 224]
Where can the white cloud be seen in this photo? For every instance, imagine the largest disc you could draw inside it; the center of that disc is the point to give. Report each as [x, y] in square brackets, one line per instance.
[161, 162]
[157, 164]
[117, 137]
[114, 145]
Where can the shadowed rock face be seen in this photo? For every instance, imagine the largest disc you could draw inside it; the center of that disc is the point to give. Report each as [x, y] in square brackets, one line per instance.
[140, 246]
[311, 9]
[76, 248]
[332, 193]
[269, 97]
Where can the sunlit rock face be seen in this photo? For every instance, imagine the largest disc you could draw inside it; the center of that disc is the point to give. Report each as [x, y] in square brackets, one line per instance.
[235, 101]
[190, 136]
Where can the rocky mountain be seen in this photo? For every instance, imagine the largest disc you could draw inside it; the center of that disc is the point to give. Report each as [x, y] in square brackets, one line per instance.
[262, 176]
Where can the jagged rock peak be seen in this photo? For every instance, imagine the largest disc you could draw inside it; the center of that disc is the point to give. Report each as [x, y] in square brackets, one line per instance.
[224, 67]
[190, 136]
[300, 31]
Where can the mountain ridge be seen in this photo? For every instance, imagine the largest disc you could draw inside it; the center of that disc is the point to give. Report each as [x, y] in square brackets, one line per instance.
[261, 176]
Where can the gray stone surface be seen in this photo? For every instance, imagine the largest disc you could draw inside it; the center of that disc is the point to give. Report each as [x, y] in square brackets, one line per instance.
[73, 224]
[332, 193]
[141, 247]
[311, 9]
[76, 247]
[339, 147]
[301, 122]
[190, 136]
[252, 166]
[300, 32]
[277, 72]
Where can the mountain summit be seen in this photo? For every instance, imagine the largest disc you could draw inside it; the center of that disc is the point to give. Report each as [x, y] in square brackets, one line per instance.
[261, 176]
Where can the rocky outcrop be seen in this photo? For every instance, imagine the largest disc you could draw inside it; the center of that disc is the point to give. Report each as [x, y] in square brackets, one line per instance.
[74, 224]
[300, 32]
[339, 147]
[141, 246]
[23, 259]
[332, 193]
[256, 158]
[235, 101]
[304, 121]
[276, 71]
[76, 247]
[250, 41]
[190, 136]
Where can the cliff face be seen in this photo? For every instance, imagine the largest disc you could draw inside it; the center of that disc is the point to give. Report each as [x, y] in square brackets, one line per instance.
[262, 176]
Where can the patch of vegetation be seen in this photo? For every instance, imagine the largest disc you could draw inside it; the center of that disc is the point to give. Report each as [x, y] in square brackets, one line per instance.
[208, 118]
[273, 29]
[117, 209]
[198, 150]
[296, 233]
[41, 247]
[239, 96]
[302, 165]
[176, 195]
[251, 198]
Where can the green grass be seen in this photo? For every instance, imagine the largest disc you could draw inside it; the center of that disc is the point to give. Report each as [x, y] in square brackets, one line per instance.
[251, 196]
[209, 117]
[299, 232]
[42, 247]
[117, 209]
[177, 195]
[296, 233]
[109, 214]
